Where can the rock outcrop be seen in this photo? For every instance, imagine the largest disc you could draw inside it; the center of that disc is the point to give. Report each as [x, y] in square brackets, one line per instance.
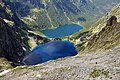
[105, 33]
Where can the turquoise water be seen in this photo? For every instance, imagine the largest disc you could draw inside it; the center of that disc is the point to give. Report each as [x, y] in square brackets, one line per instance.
[65, 30]
[50, 51]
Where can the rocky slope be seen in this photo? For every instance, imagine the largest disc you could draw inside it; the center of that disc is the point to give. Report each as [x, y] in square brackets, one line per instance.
[15, 36]
[102, 63]
[104, 34]
[40, 14]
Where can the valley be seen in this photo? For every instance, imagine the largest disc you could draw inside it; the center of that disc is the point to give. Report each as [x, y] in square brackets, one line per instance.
[42, 14]
[67, 39]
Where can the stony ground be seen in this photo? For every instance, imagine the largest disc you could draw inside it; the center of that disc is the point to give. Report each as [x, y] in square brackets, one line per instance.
[100, 65]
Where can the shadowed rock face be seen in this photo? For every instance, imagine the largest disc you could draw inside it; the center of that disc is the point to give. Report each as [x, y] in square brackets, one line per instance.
[11, 31]
[14, 36]
[50, 51]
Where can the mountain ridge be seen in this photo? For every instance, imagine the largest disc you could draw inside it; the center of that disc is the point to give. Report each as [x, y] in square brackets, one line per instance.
[102, 34]
[54, 13]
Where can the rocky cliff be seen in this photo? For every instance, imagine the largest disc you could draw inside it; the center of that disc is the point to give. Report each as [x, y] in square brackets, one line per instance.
[11, 42]
[15, 36]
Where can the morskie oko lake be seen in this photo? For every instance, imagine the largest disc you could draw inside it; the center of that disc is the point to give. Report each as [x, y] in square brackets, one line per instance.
[62, 31]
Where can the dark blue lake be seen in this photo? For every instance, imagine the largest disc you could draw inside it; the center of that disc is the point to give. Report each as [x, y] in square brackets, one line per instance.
[50, 51]
[61, 31]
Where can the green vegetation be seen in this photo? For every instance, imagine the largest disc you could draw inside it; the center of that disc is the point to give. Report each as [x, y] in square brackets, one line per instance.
[10, 23]
[102, 35]
[28, 67]
[99, 72]
[37, 33]
[5, 64]
[2, 4]
[37, 10]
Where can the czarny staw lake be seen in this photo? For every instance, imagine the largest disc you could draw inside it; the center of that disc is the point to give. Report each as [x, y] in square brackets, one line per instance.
[62, 31]
[54, 49]
[50, 51]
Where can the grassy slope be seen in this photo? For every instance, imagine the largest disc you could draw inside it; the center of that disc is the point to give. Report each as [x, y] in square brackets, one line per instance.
[103, 35]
